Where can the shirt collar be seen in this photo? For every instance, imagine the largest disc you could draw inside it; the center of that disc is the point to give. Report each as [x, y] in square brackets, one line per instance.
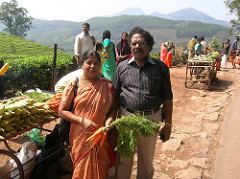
[149, 60]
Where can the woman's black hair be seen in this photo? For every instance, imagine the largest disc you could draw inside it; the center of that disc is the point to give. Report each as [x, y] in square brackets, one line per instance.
[99, 45]
[90, 53]
[125, 33]
[146, 35]
[106, 34]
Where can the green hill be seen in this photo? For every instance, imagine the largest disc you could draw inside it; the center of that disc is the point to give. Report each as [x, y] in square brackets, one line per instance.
[31, 65]
[179, 31]
[15, 48]
[15, 45]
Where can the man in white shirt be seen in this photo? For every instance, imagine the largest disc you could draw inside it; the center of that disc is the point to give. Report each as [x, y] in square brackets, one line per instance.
[83, 42]
[204, 45]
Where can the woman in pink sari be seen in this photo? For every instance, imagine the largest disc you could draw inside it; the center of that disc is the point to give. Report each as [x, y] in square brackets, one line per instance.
[88, 109]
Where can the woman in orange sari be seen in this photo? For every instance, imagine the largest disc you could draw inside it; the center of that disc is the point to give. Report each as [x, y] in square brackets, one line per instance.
[91, 109]
[168, 59]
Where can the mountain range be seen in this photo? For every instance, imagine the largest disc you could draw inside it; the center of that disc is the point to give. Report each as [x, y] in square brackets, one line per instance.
[188, 14]
[162, 28]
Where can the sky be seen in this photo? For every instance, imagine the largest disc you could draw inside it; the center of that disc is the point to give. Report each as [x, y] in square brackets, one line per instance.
[77, 10]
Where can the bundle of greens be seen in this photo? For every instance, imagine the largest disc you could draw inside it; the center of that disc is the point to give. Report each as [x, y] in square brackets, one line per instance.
[128, 128]
[38, 96]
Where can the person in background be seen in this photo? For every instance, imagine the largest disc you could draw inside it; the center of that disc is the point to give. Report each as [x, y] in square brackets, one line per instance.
[143, 85]
[62, 82]
[225, 53]
[109, 57]
[92, 108]
[190, 47]
[170, 49]
[163, 51]
[99, 49]
[233, 52]
[204, 45]
[198, 47]
[83, 42]
[123, 50]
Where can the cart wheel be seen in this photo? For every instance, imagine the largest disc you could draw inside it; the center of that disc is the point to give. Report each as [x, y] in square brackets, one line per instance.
[10, 165]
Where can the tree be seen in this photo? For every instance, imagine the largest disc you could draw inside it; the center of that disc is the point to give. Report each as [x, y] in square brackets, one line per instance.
[215, 44]
[234, 6]
[15, 18]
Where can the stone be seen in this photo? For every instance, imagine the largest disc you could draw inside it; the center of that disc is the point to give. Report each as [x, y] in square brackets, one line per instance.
[212, 109]
[190, 173]
[161, 176]
[181, 164]
[191, 127]
[199, 162]
[172, 144]
[194, 98]
[211, 127]
[212, 117]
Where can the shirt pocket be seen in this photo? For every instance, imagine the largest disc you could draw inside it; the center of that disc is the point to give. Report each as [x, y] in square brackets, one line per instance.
[154, 82]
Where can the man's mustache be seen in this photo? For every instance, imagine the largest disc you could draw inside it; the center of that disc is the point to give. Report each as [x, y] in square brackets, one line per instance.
[139, 51]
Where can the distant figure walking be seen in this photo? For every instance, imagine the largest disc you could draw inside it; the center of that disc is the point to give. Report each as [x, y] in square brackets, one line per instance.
[225, 53]
[233, 52]
[83, 42]
[170, 49]
[163, 51]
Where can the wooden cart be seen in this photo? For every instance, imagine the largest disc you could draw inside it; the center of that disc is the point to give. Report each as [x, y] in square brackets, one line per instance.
[10, 154]
[200, 73]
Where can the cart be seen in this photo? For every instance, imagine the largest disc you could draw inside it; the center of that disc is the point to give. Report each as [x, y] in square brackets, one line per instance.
[200, 73]
[10, 165]
[9, 159]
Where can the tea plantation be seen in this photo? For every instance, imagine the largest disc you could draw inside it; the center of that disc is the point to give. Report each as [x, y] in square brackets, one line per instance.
[31, 64]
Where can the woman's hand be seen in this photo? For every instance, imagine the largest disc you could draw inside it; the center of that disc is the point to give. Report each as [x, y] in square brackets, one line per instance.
[87, 123]
[108, 123]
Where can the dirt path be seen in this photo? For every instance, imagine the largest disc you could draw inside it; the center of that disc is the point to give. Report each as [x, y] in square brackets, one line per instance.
[227, 160]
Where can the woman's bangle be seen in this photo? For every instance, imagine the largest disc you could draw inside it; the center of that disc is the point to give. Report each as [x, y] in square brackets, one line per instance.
[168, 124]
[81, 120]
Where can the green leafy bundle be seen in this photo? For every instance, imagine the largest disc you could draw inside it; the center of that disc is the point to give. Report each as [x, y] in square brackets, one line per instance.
[128, 128]
[38, 96]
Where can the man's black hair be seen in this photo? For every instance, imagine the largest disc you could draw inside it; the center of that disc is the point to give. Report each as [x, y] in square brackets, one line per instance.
[86, 24]
[146, 35]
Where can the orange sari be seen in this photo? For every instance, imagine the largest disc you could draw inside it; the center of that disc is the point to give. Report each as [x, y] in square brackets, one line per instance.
[92, 102]
[168, 60]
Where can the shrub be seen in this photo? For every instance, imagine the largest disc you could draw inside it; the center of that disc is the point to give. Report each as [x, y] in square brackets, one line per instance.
[27, 72]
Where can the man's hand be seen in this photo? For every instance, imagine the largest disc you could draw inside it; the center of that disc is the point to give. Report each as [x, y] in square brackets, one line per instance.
[78, 61]
[165, 132]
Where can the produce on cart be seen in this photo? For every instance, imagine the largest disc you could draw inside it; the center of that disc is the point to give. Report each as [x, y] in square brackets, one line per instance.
[24, 112]
[17, 116]
[4, 69]
[201, 71]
